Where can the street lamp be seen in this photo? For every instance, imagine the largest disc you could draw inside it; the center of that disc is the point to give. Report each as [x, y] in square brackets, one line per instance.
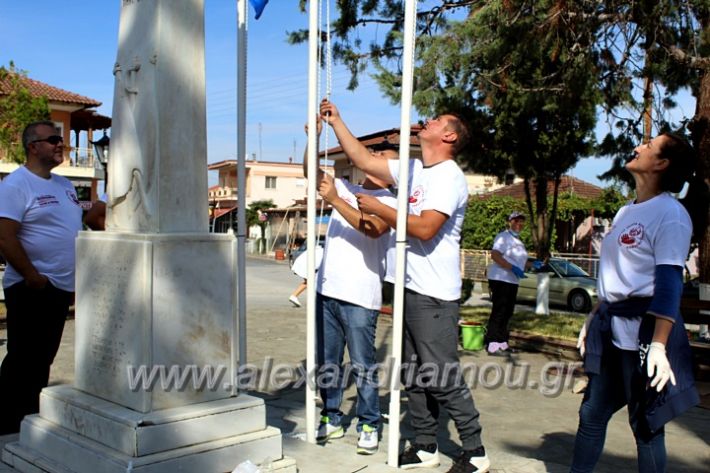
[101, 146]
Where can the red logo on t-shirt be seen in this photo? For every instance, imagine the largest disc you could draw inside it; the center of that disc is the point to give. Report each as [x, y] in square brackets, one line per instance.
[632, 235]
[416, 195]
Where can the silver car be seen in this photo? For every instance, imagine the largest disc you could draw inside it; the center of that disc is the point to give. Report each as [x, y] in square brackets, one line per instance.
[570, 285]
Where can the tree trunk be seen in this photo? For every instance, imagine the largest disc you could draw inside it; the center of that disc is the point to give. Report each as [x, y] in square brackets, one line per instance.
[701, 138]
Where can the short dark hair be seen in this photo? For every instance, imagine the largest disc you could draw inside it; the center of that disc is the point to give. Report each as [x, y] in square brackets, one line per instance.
[682, 162]
[29, 133]
[458, 125]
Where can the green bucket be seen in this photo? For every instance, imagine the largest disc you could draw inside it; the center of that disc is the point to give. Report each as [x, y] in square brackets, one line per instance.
[472, 335]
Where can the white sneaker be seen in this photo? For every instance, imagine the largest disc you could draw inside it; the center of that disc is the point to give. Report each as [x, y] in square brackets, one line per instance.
[419, 456]
[327, 431]
[294, 300]
[368, 441]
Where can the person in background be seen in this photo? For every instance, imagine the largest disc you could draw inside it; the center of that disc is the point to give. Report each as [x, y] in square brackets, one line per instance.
[504, 273]
[635, 348]
[40, 217]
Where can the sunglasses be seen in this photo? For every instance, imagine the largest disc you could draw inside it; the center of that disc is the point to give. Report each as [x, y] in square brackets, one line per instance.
[52, 140]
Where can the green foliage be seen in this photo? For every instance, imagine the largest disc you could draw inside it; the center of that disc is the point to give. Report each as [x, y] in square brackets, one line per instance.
[18, 108]
[485, 218]
[252, 216]
[531, 78]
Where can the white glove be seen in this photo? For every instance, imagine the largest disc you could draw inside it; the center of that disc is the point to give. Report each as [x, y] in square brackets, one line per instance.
[583, 333]
[659, 369]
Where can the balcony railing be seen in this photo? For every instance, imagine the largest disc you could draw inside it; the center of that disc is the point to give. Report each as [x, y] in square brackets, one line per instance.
[81, 157]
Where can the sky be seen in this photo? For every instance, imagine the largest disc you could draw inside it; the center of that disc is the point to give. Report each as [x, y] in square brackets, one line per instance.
[72, 44]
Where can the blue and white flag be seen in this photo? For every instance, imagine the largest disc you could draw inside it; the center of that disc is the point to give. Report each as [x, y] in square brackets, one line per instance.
[258, 6]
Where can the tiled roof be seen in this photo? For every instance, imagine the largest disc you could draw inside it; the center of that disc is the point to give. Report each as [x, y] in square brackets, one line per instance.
[567, 184]
[374, 140]
[54, 94]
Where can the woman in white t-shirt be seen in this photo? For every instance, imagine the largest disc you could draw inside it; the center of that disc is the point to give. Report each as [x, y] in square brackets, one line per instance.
[634, 340]
[508, 267]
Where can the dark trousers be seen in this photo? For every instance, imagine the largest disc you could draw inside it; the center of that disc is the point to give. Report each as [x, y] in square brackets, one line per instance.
[619, 383]
[503, 295]
[35, 321]
[431, 370]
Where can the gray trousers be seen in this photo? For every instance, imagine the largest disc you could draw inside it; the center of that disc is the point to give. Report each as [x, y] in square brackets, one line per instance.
[431, 370]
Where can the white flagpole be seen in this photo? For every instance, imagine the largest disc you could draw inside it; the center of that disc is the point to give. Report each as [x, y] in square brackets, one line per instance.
[313, 39]
[401, 234]
[241, 182]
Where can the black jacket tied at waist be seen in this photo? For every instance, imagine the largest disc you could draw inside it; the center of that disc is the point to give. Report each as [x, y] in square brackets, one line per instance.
[673, 399]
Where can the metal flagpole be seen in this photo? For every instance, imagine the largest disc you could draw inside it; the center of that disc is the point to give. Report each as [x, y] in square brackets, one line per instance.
[241, 179]
[314, 8]
[401, 235]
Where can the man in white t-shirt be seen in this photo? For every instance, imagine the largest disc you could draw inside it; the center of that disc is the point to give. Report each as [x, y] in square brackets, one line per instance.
[438, 195]
[40, 217]
[349, 298]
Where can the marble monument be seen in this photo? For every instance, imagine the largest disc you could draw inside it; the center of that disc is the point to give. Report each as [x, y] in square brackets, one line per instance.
[156, 333]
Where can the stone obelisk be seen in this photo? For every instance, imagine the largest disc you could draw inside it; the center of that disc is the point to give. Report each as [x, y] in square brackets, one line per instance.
[156, 337]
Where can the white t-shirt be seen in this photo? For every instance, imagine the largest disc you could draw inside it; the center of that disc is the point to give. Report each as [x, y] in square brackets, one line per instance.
[513, 250]
[353, 263]
[433, 266]
[641, 237]
[50, 217]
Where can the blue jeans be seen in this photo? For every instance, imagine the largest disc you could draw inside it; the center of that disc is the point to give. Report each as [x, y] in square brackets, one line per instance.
[340, 323]
[619, 383]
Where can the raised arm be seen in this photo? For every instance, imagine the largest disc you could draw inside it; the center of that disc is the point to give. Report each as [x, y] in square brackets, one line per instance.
[371, 225]
[424, 226]
[353, 149]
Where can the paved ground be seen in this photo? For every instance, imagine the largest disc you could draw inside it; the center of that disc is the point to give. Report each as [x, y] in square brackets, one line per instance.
[528, 427]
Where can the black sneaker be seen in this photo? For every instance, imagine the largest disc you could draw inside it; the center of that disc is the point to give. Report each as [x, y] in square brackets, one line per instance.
[471, 461]
[419, 456]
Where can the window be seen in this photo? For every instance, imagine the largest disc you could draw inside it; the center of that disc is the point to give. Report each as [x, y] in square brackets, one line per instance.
[270, 182]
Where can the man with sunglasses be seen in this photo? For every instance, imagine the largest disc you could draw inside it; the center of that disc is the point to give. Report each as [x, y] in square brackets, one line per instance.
[40, 217]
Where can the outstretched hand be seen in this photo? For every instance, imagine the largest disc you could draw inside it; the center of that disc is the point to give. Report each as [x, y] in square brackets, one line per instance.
[326, 188]
[319, 126]
[367, 203]
[582, 337]
[328, 112]
[518, 271]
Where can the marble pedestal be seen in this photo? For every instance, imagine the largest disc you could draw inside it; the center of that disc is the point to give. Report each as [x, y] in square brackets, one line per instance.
[156, 345]
[160, 305]
[79, 433]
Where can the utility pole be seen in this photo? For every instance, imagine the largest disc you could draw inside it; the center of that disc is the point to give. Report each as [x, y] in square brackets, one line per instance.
[261, 156]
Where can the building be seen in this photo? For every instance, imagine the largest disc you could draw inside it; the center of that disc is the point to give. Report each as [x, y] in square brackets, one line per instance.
[581, 235]
[77, 120]
[281, 182]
